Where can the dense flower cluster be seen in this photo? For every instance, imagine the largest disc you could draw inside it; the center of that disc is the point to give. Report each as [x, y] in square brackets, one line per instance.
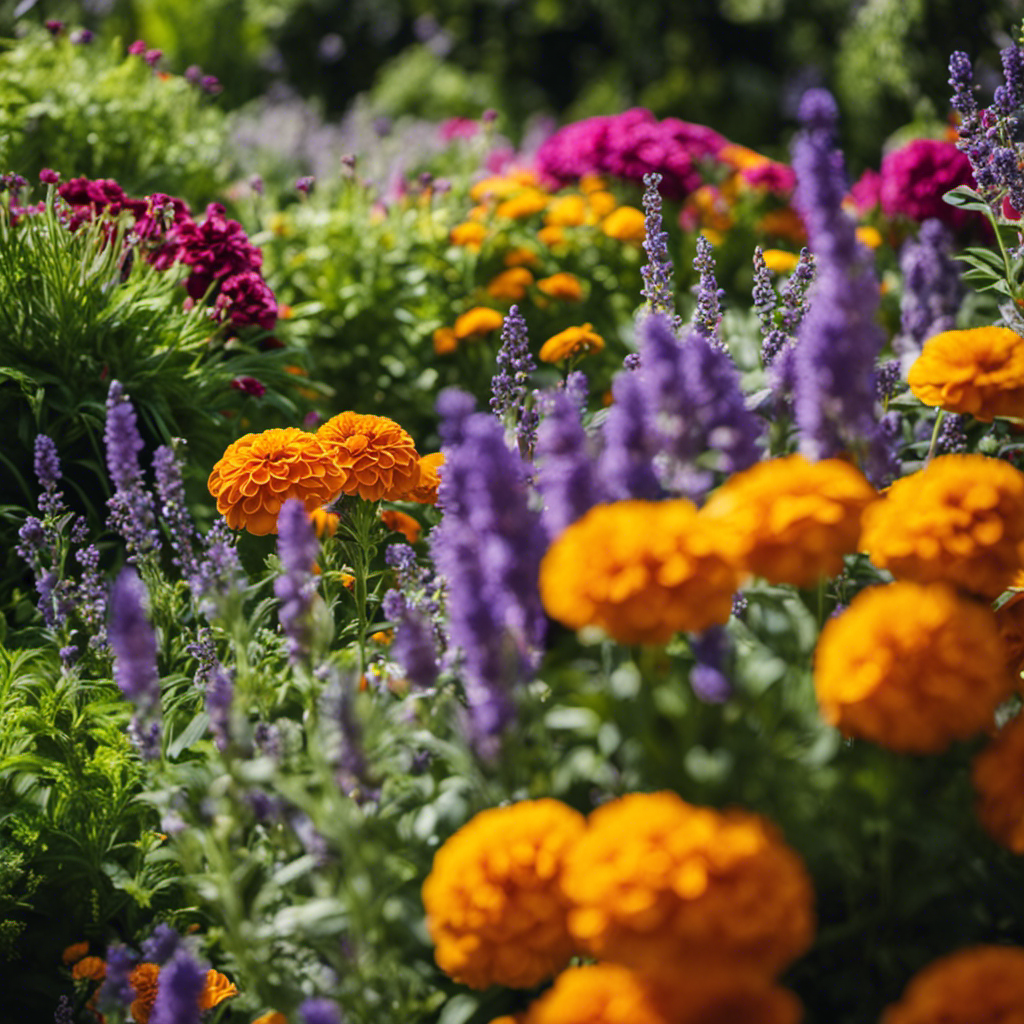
[657, 881]
[959, 520]
[911, 667]
[376, 457]
[915, 177]
[494, 908]
[639, 570]
[998, 770]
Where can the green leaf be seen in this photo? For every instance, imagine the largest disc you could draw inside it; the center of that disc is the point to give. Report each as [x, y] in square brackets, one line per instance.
[192, 732]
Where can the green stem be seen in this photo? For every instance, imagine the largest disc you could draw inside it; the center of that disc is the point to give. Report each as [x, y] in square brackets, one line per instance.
[935, 436]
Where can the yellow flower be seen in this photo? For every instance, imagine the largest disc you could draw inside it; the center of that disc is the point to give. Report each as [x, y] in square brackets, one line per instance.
[495, 187]
[573, 341]
[494, 908]
[961, 520]
[401, 522]
[144, 981]
[793, 519]
[260, 472]
[997, 775]
[325, 524]
[93, 968]
[978, 371]
[522, 205]
[445, 341]
[740, 158]
[469, 235]
[216, 989]
[601, 206]
[479, 320]
[656, 881]
[779, 261]
[510, 284]
[640, 570]
[979, 985]
[425, 491]
[626, 224]
[562, 286]
[73, 953]
[911, 667]
[591, 183]
[377, 458]
[551, 236]
[869, 236]
[566, 211]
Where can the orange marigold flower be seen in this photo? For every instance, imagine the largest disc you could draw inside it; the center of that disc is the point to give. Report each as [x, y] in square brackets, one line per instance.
[601, 205]
[325, 524]
[495, 187]
[997, 774]
[599, 994]
[978, 371]
[778, 261]
[551, 236]
[348, 581]
[75, 952]
[510, 284]
[271, 1018]
[722, 994]
[626, 224]
[400, 522]
[911, 667]
[383, 637]
[573, 341]
[794, 519]
[566, 211]
[94, 968]
[524, 204]
[590, 183]
[979, 985]
[144, 980]
[741, 158]
[641, 571]
[961, 520]
[445, 341]
[520, 257]
[216, 989]
[478, 320]
[784, 223]
[260, 472]
[425, 491]
[469, 235]
[655, 880]
[494, 908]
[376, 457]
[869, 236]
[562, 286]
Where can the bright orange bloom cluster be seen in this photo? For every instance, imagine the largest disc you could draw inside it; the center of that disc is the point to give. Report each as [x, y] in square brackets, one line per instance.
[567, 211]
[980, 985]
[657, 881]
[403, 523]
[476, 322]
[511, 284]
[911, 667]
[91, 968]
[145, 983]
[978, 371]
[793, 519]
[73, 953]
[640, 570]
[960, 520]
[377, 458]
[599, 994]
[626, 224]
[997, 775]
[259, 472]
[494, 907]
[573, 341]
[562, 286]
[425, 491]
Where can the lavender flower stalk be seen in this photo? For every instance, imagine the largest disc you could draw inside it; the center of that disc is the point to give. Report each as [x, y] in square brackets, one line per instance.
[170, 490]
[177, 996]
[932, 287]
[414, 646]
[510, 385]
[219, 575]
[625, 468]
[707, 317]
[657, 272]
[297, 548]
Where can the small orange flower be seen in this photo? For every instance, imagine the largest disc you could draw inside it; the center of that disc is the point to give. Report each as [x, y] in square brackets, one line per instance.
[260, 472]
[94, 968]
[479, 320]
[551, 236]
[75, 952]
[216, 989]
[375, 456]
[520, 257]
[741, 158]
[590, 183]
[382, 637]
[495, 187]
[348, 581]
[445, 341]
[469, 235]
[522, 205]
[271, 1018]
[144, 980]
[997, 775]
[325, 524]
[567, 211]
[573, 341]
[601, 204]
[978, 371]
[779, 261]
[869, 236]
[425, 491]
[510, 284]
[400, 522]
[784, 223]
[626, 224]
[562, 286]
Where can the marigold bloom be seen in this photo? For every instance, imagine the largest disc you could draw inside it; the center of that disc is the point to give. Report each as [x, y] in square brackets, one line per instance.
[425, 491]
[400, 522]
[961, 520]
[911, 667]
[641, 571]
[599, 994]
[626, 224]
[93, 968]
[657, 881]
[566, 211]
[469, 235]
[325, 524]
[479, 320]
[522, 205]
[520, 257]
[376, 457]
[785, 223]
[144, 981]
[779, 261]
[979, 985]
[551, 236]
[494, 907]
[73, 953]
[978, 371]
[794, 519]
[445, 341]
[216, 989]
[997, 775]
[495, 187]
[510, 284]
[869, 236]
[562, 286]
[601, 205]
[260, 472]
[273, 1017]
[573, 341]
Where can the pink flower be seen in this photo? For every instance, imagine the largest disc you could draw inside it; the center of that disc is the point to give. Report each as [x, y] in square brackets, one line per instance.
[249, 386]
[772, 177]
[866, 192]
[915, 178]
[217, 248]
[458, 128]
[247, 300]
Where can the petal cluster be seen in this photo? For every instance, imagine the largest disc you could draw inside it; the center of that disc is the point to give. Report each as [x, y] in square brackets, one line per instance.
[911, 667]
[959, 520]
[573, 341]
[377, 457]
[260, 472]
[997, 775]
[641, 571]
[494, 907]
